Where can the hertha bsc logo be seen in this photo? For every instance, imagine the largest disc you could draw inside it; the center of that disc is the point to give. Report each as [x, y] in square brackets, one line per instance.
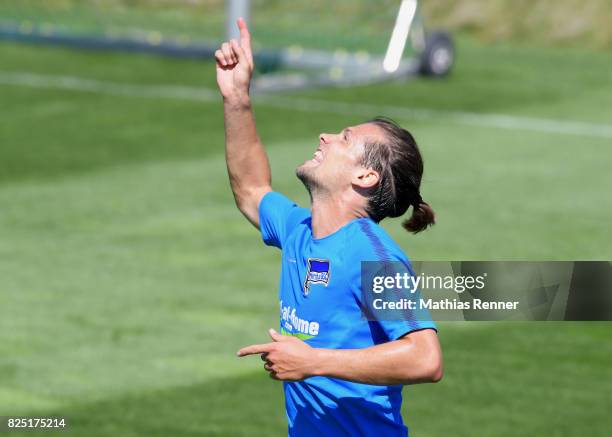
[318, 273]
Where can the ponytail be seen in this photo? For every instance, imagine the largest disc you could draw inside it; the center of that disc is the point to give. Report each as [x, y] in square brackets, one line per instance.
[422, 217]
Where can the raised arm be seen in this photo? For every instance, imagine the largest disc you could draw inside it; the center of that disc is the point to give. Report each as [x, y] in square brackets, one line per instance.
[247, 162]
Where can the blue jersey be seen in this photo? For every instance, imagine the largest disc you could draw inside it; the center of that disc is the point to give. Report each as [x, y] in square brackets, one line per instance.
[320, 303]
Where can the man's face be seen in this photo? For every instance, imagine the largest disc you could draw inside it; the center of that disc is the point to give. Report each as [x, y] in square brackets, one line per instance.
[336, 161]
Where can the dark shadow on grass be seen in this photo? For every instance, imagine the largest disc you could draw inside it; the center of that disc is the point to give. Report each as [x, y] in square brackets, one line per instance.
[247, 405]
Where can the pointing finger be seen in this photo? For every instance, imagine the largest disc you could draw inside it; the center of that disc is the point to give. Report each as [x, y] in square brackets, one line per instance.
[245, 39]
[255, 349]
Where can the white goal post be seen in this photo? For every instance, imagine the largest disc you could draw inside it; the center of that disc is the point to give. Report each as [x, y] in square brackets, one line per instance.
[236, 9]
[399, 36]
[395, 49]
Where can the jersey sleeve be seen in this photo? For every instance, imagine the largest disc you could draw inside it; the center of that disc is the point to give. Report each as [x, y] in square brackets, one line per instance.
[410, 320]
[395, 329]
[381, 258]
[395, 326]
[277, 217]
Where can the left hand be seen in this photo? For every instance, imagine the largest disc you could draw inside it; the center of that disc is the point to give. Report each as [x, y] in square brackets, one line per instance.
[287, 358]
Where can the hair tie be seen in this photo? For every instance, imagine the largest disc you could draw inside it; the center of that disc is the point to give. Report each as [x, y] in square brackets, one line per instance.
[416, 204]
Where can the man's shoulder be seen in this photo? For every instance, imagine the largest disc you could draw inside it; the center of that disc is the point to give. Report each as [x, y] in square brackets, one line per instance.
[279, 218]
[298, 221]
[370, 242]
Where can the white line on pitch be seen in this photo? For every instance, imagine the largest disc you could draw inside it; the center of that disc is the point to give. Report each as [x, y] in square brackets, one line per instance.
[73, 83]
[503, 121]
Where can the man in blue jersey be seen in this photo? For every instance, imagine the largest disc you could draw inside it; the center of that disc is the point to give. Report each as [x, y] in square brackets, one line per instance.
[342, 372]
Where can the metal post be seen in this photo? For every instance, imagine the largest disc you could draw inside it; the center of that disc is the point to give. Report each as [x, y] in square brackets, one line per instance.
[400, 33]
[235, 9]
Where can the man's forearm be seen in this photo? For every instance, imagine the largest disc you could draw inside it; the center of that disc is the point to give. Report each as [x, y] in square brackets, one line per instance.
[402, 361]
[247, 162]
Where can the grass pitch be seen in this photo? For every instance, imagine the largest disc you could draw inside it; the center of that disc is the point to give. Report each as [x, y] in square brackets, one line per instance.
[129, 279]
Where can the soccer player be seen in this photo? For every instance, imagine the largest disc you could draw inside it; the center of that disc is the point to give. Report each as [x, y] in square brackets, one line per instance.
[342, 373]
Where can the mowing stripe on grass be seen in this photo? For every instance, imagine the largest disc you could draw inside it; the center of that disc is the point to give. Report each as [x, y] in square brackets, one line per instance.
[502, 121]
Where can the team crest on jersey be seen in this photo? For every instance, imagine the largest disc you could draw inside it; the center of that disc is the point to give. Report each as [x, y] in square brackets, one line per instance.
[318, 273]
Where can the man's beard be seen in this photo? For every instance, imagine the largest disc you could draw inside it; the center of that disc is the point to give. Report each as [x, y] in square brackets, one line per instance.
[308, 179]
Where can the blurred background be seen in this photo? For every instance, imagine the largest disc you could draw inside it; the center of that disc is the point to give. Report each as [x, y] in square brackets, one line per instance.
[128, 279]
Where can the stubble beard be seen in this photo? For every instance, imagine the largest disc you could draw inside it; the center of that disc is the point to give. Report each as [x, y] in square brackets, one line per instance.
[308, 179]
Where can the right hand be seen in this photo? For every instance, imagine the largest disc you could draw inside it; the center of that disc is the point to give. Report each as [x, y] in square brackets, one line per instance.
[235, 64]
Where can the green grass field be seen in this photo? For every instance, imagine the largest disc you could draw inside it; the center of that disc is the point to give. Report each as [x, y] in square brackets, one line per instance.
[128, 279]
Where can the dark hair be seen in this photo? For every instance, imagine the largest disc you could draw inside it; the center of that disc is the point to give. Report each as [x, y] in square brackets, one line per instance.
[398, 161]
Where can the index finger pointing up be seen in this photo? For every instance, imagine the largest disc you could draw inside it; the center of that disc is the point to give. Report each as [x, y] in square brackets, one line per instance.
[245, 38]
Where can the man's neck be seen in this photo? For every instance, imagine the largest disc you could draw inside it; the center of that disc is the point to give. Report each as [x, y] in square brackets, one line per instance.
[329, 214]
